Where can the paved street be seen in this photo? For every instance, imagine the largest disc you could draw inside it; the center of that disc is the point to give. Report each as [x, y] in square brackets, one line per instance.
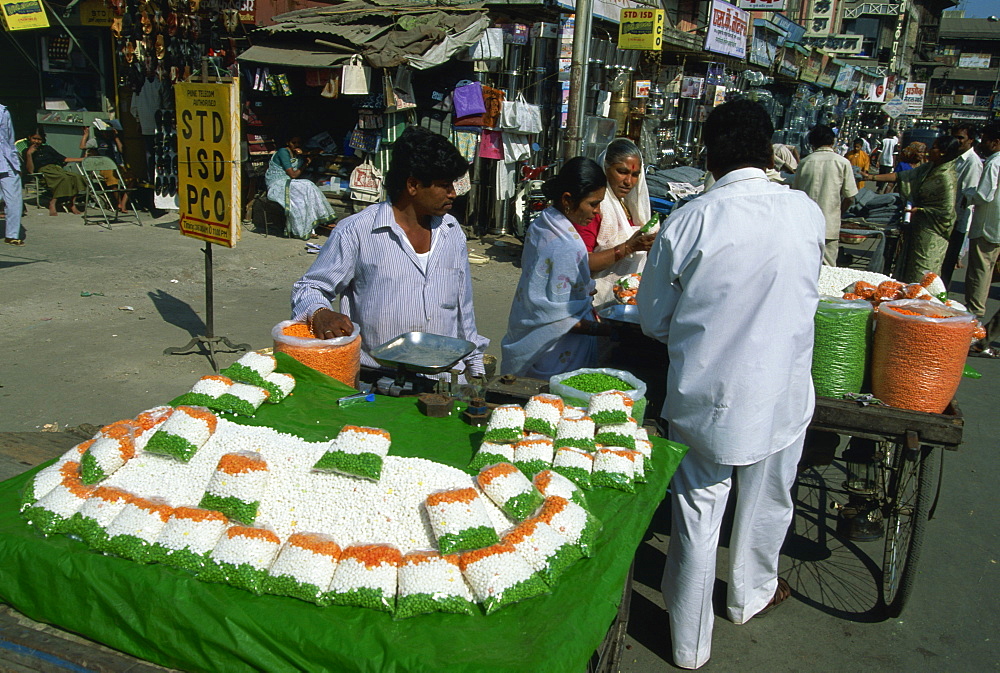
[71, 359]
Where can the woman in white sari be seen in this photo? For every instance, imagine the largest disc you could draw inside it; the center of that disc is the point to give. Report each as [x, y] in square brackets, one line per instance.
[617, 248]
[305, 205]
[551, 328]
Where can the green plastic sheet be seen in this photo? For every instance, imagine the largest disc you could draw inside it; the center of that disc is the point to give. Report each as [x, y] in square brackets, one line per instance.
[167, 616]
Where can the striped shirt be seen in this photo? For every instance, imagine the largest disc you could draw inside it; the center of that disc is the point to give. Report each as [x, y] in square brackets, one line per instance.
[369, 263]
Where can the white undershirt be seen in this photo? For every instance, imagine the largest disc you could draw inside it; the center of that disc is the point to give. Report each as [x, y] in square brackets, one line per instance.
[422, 257]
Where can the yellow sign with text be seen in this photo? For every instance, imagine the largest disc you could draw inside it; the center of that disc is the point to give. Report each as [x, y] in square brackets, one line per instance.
[23, 14]
[95, 13]
[208, 152]
[641, 29]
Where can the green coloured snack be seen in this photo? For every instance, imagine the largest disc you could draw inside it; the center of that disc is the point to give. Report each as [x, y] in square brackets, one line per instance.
[596, 382]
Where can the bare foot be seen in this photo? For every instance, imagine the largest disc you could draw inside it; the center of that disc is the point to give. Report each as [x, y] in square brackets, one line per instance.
[52, 212]
[75, 210]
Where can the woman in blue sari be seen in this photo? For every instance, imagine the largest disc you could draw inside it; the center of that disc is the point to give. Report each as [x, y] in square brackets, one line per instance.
[305, 205]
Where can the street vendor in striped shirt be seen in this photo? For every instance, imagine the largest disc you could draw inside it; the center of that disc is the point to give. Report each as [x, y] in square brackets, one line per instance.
[399, 265]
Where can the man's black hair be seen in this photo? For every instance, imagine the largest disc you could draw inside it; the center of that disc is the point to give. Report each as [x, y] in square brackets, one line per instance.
[991, 131]
[890, 134]
[822, 135]
[738, 134]
[424, 155]
[971, 130]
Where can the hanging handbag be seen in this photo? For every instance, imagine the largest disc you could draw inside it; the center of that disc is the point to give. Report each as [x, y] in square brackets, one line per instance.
[491, 145]
[493, 100]
[356, 77]
[402, 89]
[366, 141]
[529, 117]
[468, 100]
[366, 183]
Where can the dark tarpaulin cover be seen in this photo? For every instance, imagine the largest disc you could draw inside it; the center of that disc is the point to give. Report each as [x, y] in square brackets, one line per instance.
[167, 616]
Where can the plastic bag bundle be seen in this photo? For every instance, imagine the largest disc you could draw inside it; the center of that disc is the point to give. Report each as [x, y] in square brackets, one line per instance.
[304, 567]
[181, 435]
[919, 354]
[550, 482]
[113, 446]
[252, 368]
[241, 558]
[92, 521]
[189, 537]
[366, 577]
[132, 533]
[574, 464]
[546, 551]
[506, 424]
[542, 414]
[237, 486]
[206, 392]
[499, 576]
[459, 520]
[510, 490]
[339, 358]
[279, 386]
[571, 521]
[610, 407]
[576, 433]
[533, 454]
[842, 345]
[357, 451]
[242, 399]
[615, 469]
[618, 435]
[491, 453]
[430, 582]
[578, 386]
[52, 512]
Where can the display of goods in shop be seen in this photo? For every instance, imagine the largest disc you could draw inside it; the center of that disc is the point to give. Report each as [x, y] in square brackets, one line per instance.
[268, 512]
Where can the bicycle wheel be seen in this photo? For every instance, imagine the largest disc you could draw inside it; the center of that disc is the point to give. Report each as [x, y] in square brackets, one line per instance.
[909, 496]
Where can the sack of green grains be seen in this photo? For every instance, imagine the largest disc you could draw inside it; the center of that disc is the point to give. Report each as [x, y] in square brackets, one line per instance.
[842, 345]
[577, 387]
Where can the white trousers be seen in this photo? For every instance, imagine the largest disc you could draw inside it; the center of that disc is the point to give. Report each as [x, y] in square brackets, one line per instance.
[10, 194]
[764, 510]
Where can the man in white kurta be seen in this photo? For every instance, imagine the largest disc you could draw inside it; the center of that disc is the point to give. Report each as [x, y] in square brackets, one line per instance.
[731, 287]
[968, 169]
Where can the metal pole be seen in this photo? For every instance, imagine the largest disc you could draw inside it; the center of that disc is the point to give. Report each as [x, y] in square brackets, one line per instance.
[209, 294]
[578, 77]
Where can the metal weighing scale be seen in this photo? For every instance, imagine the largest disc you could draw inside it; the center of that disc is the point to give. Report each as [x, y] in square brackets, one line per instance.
[422, 353]
[620, 313]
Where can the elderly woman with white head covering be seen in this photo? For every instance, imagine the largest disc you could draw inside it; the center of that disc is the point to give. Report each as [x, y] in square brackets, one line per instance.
[615, 245]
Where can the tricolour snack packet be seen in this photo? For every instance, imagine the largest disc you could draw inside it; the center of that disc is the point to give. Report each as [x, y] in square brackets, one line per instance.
[547, 552]
[188, 538]
[459, 520]
[506, 424]
[357, 451]
[543, 413]
[430, 582]
[304, 567]
[181, 435]
[237, 486]
[241, 558]
[499, 576]
[510, 490]
[366, 578]
[574, 464]
[533, 454]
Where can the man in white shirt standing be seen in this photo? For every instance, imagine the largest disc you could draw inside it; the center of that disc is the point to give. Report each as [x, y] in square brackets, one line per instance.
[739, 385]
[10, 180]
[828, 179]
[887, 152]
[984, 232]
[968, 169]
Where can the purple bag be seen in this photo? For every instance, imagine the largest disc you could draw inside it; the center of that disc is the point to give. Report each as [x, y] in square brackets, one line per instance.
[468, 100]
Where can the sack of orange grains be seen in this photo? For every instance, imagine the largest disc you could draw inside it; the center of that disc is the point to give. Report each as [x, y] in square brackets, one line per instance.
[919, 354]
[339, 358]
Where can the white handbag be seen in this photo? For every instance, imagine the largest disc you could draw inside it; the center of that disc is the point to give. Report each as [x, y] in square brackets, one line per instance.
[356, 78]
[366, 183]
[520, 116]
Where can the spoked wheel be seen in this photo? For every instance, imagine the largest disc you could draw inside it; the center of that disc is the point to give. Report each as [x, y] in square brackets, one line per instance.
[908, 496]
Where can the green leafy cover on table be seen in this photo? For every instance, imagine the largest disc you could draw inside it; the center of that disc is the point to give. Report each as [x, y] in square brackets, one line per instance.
[178, 621]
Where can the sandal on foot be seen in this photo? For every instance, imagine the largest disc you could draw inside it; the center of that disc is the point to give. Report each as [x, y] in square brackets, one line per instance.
[13, 241]
[781, 594]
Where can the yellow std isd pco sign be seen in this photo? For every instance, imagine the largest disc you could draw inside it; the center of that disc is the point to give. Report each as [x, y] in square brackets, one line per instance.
[641, 29]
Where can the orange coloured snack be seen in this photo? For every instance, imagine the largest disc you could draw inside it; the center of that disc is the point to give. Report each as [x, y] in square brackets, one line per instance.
[340, 361]
[919, 354]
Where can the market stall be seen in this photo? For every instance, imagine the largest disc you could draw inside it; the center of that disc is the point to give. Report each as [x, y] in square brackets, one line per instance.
[169, 616]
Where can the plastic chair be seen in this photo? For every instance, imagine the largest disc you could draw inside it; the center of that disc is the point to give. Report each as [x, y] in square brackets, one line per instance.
[101, 196]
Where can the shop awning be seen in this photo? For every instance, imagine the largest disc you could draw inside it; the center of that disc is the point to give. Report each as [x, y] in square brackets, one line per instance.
[292, 56]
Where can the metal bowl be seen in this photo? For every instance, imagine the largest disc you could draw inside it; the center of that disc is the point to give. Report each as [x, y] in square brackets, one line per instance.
[422, 352]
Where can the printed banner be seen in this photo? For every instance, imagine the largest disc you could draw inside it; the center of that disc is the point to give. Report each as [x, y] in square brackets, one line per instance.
[23, 14]
[876, 91]
[820, 17]
[762, 5]
[208, 123]
[794, 30]
[913, 96]
[837, 44]
[727, 30]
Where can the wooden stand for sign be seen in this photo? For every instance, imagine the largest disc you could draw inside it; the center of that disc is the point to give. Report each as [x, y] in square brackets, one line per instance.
[210, 343]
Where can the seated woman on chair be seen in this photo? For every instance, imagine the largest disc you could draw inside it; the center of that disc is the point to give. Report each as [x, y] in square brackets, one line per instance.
[305, 205]
[107, 143]
[62, 183]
